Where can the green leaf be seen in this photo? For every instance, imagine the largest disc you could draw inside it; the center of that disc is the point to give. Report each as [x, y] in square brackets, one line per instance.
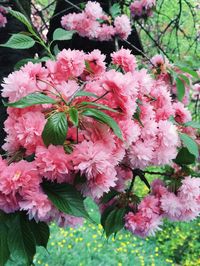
[104, 118]
[41, 232]
[108, 196]
[73, 114]
[87, 66]
[21, 240]
[190, 144]
[184, 157]
[19, 41]
[136, 116]
[115, 10]
[55, 130]
[66, 198]
[114, 221]
[180, 89]
[4, 250]
[62, 35]
[186, 79]
[103, 107]
[189, 71]
[19, 16]
[85, 93]
[105, 214]
[22, 62]
[193, 124]
[31, 99]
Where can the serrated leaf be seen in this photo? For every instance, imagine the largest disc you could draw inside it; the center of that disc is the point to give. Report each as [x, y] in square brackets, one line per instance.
[180, 89]
[108, 196]
[66, 198]
[4, 250]
[85, 93]
[30, 100]
[19, 41]
[193, 124]
[103, 107]
[184, 157]
[21, 18]
[105, 214]
[189, 71]
[104, 118]
[114, 221]
[41, 232]
[21, 240]
[55, 130]
[62, 35]
[73, 114]
[190, 144]
[22, 62]
[115, 10]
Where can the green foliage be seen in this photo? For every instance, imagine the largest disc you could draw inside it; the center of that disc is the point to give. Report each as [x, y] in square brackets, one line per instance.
[115, 10]
[180, 89]
[184, 157]
[177, 244]
[62, 35]
[30, 100]
[190, 144]
[73, 114]
[66, 199]
[55, 130]
[19, 41]
[104, 118]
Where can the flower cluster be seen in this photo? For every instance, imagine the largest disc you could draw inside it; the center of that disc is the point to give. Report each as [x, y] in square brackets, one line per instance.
[110, 121]
[182, 206]
[3, 19]
[142, 8]
[170, 74]
[95, 24]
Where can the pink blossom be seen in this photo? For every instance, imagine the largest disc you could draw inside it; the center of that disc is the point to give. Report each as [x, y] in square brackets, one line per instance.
[96, 62]
[29, 131]
[93, 160]
[122, 26]
[106, 32]
[182, 114]
[3, 21]
[36, 204]
[124, 59]
[70, 63]
[93, 10]
[53, 163]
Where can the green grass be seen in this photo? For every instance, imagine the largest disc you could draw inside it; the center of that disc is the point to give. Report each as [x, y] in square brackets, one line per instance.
[177, 244]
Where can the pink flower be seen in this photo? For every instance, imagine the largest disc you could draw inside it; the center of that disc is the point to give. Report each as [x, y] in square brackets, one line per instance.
[106, 32]
[124, 59]
[136, 8]
[29, 131]
[18, 178]
[96, 62]
[53, 163]
[3, 21]
[17, 85]
[70, 63]
[37, 205]
[182, 114]
[140, 153]
[122, 26]
[94, 161]
[190, 188]
[93, 10]
[141, 225]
